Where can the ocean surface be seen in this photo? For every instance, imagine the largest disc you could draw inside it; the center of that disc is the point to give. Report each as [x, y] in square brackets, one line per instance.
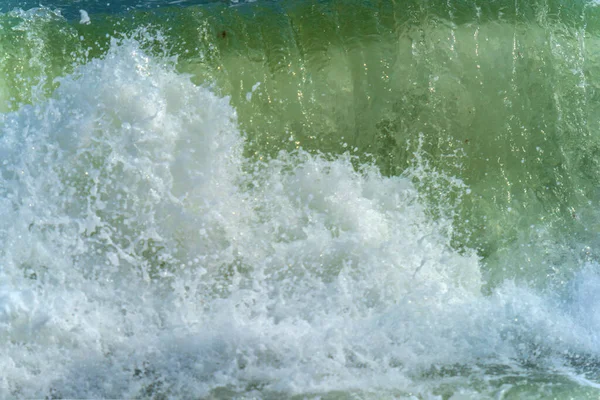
[333, 199]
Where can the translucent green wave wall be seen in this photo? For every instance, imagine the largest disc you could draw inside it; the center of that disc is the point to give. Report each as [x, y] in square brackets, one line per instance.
[501, 95]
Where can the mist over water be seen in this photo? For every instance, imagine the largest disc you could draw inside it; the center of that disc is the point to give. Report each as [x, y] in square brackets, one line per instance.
[299, 200]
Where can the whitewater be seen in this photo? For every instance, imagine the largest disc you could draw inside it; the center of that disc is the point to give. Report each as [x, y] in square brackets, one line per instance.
[178, 225]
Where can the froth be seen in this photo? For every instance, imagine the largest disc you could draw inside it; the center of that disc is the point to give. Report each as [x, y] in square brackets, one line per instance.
[143, 255]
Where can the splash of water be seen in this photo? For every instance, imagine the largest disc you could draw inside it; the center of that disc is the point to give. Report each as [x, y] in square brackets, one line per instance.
[143, 255]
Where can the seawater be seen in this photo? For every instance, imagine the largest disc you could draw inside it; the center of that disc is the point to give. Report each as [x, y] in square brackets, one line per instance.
[300, 199]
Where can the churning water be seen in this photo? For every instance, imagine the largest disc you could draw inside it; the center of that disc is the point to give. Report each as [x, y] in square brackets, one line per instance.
[300, 199]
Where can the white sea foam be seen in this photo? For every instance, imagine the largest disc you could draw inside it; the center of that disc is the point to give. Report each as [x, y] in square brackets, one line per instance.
[141, 253]
[249, 94]
[84, 17]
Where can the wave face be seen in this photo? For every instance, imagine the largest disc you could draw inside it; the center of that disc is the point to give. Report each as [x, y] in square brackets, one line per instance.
[300, 199]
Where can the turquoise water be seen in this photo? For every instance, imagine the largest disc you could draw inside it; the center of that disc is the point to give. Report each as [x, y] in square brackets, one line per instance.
[300, 199]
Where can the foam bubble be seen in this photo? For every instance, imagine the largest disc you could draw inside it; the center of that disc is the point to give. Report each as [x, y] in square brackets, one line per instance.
[84, 17]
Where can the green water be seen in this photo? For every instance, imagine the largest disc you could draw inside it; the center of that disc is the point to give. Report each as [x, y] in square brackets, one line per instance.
[492, 108]
[500, 95]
